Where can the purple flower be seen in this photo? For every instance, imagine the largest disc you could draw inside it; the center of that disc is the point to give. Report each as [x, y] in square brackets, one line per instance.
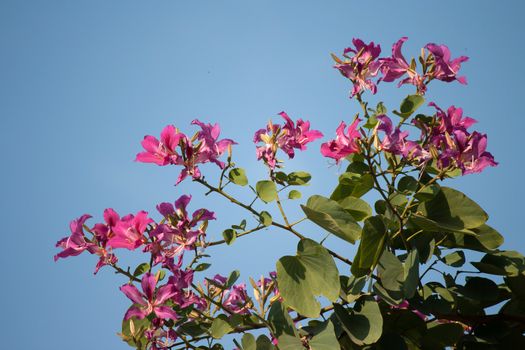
[287, 138]
[76, 243]
[444, 68]
[453, 119]
[361, 66]
[202, 148]
[396, 66]
[394, 140]
[179, 233]
[452, 145]
[343, 144]
[237, 300]
[472, 156]
[150, 300]
[129, 231]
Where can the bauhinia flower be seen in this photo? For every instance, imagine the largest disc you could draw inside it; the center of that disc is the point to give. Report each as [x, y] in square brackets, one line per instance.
[359, 67]
[204, 147]
[150, 300]
[472, 156]
[76, 243]
[394, 139]
[344, 144]
[180, 232]
[443, 68]
[129, 231]
[286, 137]
[452, 145]
[396, 66]
[237, 300]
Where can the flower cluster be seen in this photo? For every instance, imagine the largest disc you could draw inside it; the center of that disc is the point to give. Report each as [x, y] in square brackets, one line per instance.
[286, 137]
[445, 141]
[202, 148]
[164, 241]
[454, 146]
[362, 63]
[360, 66]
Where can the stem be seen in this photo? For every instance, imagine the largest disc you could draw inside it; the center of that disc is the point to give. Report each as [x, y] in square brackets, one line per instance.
[222, 241]
[254, 212]
[125, 273]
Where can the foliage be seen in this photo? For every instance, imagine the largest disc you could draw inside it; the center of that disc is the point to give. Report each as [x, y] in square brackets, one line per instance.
[407, 286]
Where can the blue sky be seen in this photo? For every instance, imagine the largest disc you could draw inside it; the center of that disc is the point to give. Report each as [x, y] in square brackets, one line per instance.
[81, 82]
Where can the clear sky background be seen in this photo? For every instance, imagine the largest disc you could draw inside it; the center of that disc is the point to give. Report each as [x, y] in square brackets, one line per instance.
[81, 82]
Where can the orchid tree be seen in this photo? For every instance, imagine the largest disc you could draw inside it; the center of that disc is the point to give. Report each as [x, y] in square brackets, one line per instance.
[407, 286]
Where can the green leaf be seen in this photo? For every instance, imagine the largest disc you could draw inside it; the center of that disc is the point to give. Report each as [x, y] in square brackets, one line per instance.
[357, 207]
[160, 275]
[264, 343]
[141, 269]
[281, 177]
[220, 326]
[266, 218]
[480, 289]
[299, 178]
[266, 190]
[202, 267]
[389, 296]
[312, 272]
[427, 192]
[280, 320]
[409, 105]
[450, 210]
[455, 259]
[442, 335]
[371, 246]
[288, 342]
[234, 276]
[238, 176]
[363, 323]
[351, 184]
[325, 339]
[411, 268]
[294, 194]
[485, 239]
[248, 342]
[505, 263]
[229, 236]
[407, 184]
[391, 270]
[351, 287]
[332, 217]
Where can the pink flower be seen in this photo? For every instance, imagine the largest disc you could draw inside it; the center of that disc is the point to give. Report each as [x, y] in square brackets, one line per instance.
[150, 300]
[237, 300]
[361, 66]
[162, 152]
[344, 144]
[396, 66]
[472, 156]
[102, 233]
[179, 233]
[394, 140]
[444, 68]
[76, 243]
[453, 119]
[204, 147]
[452, 145]
[287, 138]
[129, 231]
